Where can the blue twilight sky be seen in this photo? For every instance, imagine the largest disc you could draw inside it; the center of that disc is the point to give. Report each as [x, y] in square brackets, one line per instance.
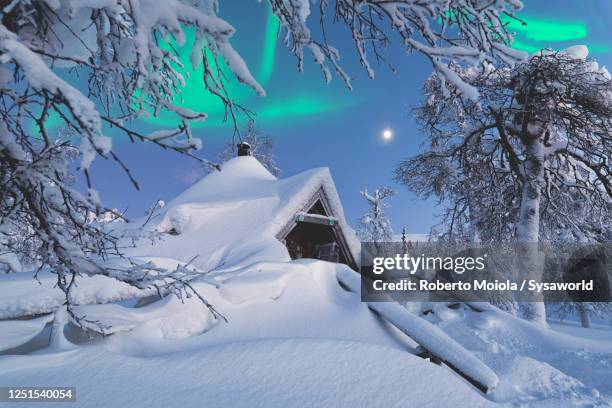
[315, 124]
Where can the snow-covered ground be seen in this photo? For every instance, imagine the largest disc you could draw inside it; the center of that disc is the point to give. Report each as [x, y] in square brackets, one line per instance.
[293, 336]
[263, 373]
[556, 366]
[601, 331]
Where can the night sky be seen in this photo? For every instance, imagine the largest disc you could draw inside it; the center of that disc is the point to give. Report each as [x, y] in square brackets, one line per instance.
[314, 124]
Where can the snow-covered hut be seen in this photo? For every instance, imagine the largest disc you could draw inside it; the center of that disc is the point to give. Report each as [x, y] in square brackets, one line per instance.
[243, 226]
[244, 213]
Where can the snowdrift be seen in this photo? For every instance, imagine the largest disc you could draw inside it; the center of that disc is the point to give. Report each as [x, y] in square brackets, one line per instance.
[22, 295]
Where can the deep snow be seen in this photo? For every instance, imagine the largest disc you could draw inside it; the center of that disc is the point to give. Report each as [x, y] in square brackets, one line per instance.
[295, 338]
[538, 366]
[263, 373]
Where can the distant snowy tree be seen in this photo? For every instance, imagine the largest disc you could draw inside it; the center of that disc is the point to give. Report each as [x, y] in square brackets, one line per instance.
[584, 310]
[261, 148]
[405, 242]
[529, 162]
[374, 226]
[572, 263]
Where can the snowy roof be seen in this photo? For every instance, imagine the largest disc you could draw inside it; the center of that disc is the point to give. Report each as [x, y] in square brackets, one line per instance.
[231, 218]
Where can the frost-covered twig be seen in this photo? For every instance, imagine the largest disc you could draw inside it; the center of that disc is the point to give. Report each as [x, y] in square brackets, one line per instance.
[445, 31]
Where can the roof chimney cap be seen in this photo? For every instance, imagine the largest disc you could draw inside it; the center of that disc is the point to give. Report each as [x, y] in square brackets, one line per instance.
[244, 149]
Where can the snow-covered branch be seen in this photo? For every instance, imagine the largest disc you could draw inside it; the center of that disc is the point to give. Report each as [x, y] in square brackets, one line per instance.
[458, 31]
[124, 49]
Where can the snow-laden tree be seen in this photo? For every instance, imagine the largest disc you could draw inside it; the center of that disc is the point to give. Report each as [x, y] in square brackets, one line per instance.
[374, 225]
[527, 163]
[405, 242]
[262, 148]
[118, 63]
[120, 50]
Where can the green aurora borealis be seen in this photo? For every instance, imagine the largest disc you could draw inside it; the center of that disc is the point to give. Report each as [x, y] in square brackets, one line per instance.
[292, 100]
[533, 35]
[298, 102]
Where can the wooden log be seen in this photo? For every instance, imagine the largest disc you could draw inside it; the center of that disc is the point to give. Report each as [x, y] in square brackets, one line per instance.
[435, 343]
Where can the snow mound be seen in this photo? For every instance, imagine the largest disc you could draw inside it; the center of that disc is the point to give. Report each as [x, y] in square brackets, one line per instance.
[22, 295]
[577, 51]
[253, 286]
[230, 219]
[168, 318]
[298, 299]
[527, 381]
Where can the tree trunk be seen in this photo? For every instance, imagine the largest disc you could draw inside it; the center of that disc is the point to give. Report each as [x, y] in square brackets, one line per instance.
[585, 319]
[530, 262]
[474, 235]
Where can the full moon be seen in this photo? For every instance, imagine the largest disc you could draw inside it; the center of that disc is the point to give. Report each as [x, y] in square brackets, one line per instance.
[387, 134]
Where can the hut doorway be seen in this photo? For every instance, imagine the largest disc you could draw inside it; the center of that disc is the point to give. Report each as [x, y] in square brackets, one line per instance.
[309, 240]
[315, 234]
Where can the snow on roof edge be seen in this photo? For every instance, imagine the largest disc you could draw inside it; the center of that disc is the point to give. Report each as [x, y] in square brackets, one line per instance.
[316, 179]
